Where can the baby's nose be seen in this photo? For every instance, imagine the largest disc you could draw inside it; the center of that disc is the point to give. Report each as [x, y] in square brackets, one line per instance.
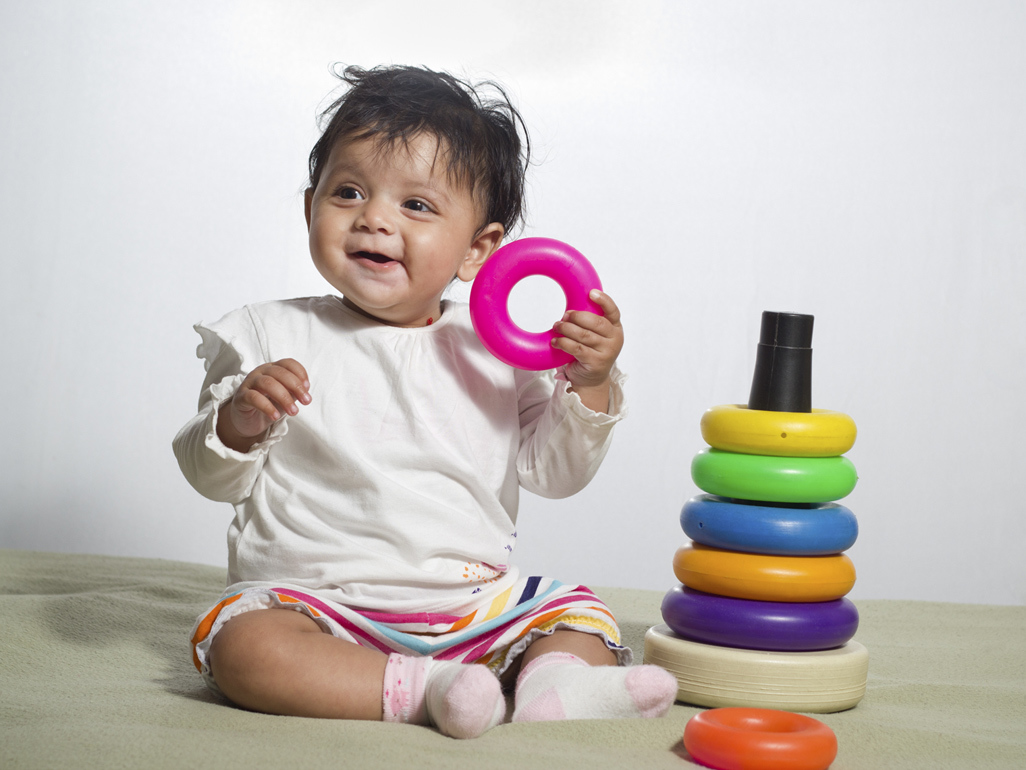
[376, 217]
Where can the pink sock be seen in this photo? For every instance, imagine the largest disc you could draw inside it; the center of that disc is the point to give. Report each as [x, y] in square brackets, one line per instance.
[559, 685]
[462, 701]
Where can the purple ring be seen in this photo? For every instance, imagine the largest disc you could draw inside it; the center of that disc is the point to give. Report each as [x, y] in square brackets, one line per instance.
[755, 625]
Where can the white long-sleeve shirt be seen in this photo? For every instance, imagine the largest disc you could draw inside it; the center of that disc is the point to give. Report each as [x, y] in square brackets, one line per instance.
[396, 489]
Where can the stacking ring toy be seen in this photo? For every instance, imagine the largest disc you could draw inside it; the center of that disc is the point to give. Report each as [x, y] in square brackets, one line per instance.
[763, 577]
[759, 739]
[773, 479]
[819, 530]
[777, 626]
[712, 676]
[819, 433]
[489, 299]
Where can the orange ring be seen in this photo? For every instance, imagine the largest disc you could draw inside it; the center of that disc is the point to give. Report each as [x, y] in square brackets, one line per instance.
[763, 577]
[759, 739]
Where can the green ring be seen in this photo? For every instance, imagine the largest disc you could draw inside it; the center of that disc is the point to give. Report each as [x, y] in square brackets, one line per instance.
[773, 479]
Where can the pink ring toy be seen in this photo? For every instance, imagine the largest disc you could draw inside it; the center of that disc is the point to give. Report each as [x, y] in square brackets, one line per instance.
[489, 299]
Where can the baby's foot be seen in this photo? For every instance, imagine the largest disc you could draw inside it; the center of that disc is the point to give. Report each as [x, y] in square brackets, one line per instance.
[464, 701]
[559, 685]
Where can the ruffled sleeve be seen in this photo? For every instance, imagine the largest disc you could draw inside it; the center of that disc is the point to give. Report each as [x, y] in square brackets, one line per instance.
[562, 442]
[230, 349]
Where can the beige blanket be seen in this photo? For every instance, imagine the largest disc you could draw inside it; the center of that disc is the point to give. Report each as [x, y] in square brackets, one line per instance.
[95, 672]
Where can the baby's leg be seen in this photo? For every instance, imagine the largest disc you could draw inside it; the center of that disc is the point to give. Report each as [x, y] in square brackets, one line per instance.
[572, 675]
[280, 662]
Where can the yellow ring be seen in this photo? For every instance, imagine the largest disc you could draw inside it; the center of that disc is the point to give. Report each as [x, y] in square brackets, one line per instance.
[819, 433]
[763, 577]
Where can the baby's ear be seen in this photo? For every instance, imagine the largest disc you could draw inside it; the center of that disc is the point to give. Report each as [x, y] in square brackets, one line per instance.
[307, 203]
[483, 246]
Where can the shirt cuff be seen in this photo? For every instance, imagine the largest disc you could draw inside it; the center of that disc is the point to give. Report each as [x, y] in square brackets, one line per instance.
[220, 392]
[617, 402]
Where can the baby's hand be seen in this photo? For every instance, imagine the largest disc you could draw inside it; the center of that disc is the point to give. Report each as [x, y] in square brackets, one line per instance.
[267, 392]
[595, 341]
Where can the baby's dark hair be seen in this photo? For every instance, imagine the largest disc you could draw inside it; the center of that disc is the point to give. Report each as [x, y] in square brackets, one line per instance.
[483, 140]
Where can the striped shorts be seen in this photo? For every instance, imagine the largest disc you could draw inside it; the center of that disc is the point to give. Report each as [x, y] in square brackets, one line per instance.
[493, 634]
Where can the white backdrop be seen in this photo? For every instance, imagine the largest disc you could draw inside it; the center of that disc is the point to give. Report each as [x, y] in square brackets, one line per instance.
[861, 161]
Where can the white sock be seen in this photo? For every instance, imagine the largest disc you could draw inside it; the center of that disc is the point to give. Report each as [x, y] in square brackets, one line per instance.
[559, 685]
[462, 701]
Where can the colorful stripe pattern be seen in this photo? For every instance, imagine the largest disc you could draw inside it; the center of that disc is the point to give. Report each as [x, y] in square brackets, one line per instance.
[493, 634]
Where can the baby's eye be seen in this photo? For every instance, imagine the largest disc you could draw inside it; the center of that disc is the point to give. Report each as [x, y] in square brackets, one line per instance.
[348, 193]
[415, 205]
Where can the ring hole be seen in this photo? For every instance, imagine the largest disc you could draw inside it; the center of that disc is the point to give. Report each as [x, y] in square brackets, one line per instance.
[536, 303]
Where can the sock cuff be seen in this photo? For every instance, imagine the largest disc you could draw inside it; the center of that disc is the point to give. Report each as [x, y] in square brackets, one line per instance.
[546, 660]
[402, 692]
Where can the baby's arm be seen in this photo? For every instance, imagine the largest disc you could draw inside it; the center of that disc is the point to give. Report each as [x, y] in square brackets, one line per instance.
[595, 341]
[563, 439]
[222, 467]
[267, 392]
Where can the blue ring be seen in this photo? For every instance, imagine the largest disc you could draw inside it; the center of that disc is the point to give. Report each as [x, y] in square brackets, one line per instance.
[817, 530]
[754, 625]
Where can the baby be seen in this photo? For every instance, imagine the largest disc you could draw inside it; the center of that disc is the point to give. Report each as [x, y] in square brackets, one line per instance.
[374, 451]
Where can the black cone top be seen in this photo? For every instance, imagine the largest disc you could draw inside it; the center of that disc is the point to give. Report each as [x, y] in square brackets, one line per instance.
[783, 364]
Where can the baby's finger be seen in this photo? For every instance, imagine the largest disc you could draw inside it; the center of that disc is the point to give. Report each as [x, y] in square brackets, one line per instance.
[577, 339]
[292, 376]
[250, 403]
[282, 388]
[297, 369]
[593, 332]
[581, 321]
[609, 308]
[607, 324]
[582, 353]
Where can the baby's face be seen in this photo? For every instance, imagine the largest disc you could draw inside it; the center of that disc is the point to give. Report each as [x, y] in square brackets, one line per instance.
[390, 230]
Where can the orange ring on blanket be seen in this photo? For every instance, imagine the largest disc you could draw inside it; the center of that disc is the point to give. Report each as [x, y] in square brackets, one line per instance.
[759, 739]
[764, 577]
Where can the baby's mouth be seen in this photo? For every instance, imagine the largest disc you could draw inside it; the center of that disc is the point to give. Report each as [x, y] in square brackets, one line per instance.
[371, 256]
